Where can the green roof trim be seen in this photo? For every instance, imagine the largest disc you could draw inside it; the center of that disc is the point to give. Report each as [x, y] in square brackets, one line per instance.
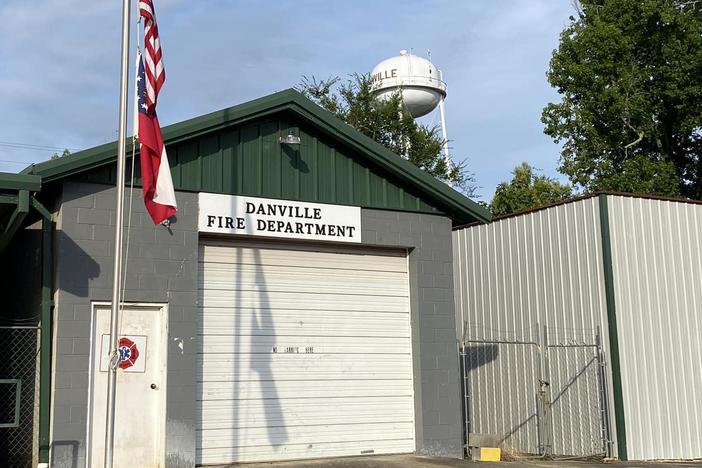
[9, 181]
[455, 204]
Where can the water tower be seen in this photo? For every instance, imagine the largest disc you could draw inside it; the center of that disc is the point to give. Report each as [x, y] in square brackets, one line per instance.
[419, 82]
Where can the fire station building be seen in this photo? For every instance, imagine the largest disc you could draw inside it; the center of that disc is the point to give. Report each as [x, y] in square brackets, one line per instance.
[299, 305]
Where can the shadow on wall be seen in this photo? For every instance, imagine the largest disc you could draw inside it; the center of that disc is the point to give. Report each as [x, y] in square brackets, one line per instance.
[263, 336]
[253, 302]
[572, 380]
[77, 260]
[294, 159]
[479, 355]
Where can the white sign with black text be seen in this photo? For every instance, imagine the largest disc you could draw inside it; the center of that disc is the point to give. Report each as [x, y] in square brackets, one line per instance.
[232, 214]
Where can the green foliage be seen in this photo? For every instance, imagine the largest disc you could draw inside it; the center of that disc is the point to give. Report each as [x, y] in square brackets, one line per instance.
[630, 76]
[527, 190]
[385, 122]
[56, 155]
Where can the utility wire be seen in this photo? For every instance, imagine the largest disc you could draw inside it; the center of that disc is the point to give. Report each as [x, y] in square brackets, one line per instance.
[21, 163]
[20, 145]
[30, 146]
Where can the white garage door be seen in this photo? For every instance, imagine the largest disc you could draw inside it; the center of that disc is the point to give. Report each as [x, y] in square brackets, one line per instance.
[303, 354]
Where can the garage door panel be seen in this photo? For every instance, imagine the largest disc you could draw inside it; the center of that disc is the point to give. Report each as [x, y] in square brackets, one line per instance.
[292, 300]
[303, 411]
[232, 368]
[310, 349]
[296, 389]
[222, 321]
[298, 279]
[293, 451]
[302, 354]
[214, 254]
[308, 434]
[267, 285]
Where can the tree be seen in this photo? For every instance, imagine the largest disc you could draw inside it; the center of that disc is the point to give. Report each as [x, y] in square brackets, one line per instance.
[385, 122]
[527, 190]
[64, 154]
[630, 118]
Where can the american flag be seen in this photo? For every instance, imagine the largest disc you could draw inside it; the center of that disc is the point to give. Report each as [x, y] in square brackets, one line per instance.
[155, 73]
[157, 185]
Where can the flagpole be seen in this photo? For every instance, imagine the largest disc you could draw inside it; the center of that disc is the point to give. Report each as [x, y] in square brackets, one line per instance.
[117, 270]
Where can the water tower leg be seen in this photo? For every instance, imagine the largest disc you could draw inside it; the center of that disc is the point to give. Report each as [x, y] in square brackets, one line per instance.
[407, 140]
[444, 134]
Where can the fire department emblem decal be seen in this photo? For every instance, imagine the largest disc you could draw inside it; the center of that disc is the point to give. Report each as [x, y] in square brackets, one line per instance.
[128, 353]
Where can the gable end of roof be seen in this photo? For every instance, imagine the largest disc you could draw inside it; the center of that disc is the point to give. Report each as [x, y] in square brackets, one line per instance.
[458, 206]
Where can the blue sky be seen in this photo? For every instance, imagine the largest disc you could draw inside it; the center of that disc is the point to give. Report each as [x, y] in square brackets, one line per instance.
[59, 67]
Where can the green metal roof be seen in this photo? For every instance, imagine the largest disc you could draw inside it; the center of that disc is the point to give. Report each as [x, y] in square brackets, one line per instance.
[9, 181]
[15, 200]
[456, 205]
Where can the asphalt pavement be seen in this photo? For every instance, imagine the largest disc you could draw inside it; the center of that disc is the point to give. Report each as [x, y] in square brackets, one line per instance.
[411, 461]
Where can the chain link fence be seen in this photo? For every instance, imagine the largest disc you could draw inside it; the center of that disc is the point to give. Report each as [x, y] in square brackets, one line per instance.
[19, 396]
[537, 391]
[577, 402]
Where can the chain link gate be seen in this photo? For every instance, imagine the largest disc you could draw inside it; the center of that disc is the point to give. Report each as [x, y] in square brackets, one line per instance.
[577, 402]
[19, 399]
[538, 391]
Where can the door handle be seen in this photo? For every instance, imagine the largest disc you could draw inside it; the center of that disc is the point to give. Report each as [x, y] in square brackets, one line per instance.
[154, 386]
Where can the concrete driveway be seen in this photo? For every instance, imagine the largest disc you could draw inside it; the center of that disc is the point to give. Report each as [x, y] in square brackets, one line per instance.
[411, 461]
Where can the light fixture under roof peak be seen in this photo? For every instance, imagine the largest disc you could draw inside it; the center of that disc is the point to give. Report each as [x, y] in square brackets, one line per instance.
[291, 139]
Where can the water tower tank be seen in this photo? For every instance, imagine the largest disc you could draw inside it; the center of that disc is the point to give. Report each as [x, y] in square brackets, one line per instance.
[417, 78]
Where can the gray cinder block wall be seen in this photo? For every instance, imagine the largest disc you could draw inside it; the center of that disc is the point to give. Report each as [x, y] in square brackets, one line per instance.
[162, 267]
[437, 392]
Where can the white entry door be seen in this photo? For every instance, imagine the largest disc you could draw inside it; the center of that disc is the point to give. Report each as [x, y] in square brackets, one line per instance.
[141, 387]
[303, 354]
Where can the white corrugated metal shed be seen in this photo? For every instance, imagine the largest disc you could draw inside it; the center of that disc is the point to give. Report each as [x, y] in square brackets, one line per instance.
[603, 261]
[657, 266]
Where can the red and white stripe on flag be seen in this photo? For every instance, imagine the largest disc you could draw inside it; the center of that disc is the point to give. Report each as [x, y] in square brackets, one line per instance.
[157, 185]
